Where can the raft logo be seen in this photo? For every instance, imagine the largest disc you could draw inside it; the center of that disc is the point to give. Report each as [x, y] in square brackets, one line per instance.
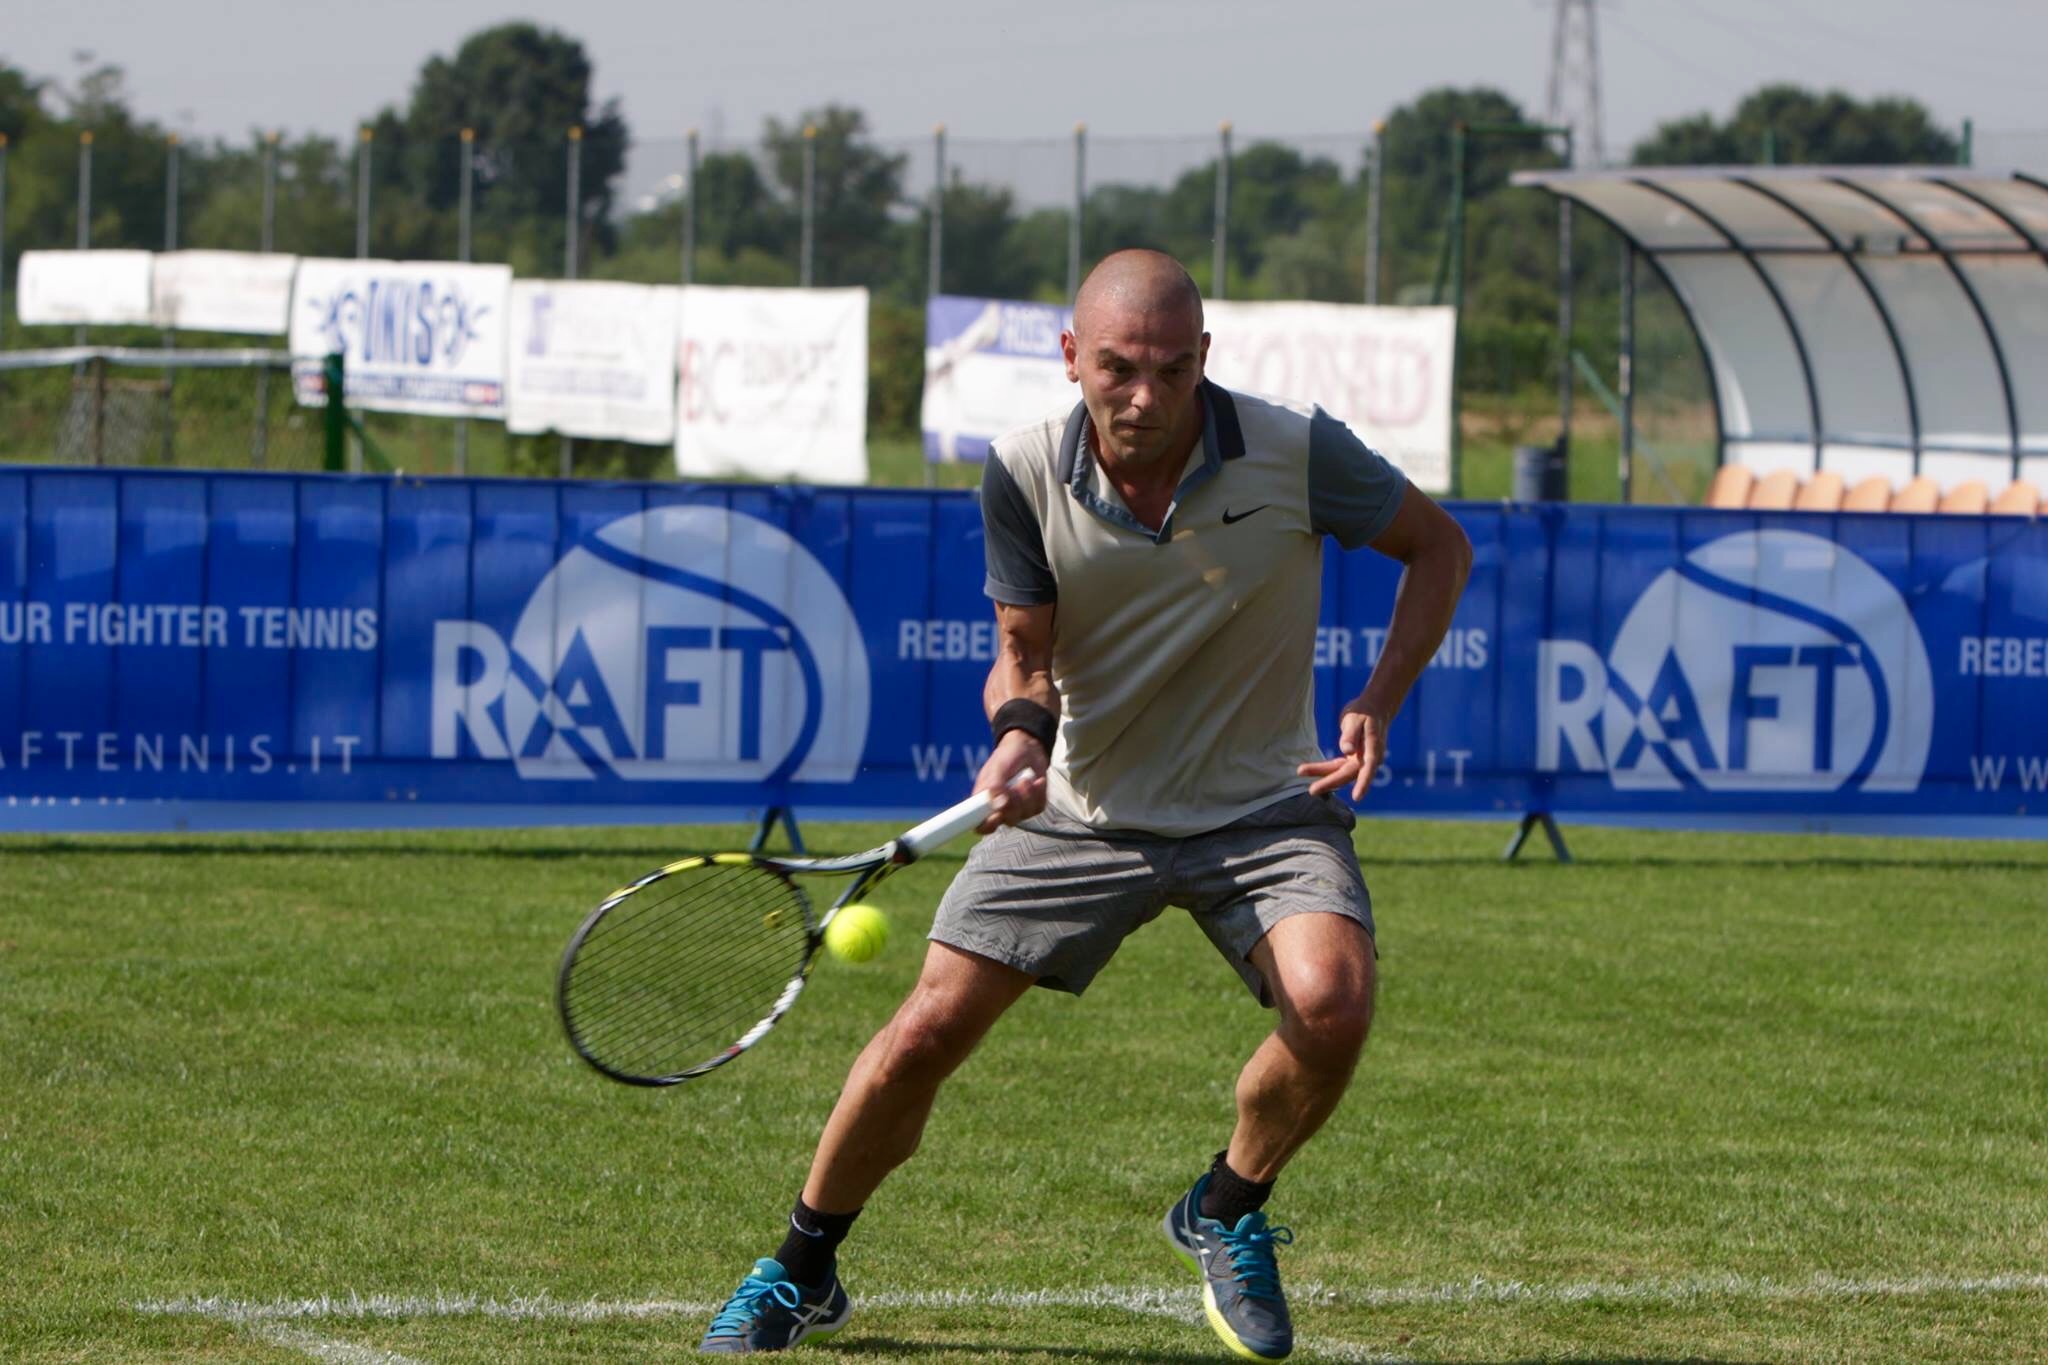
[1766, 661]
[678, 644]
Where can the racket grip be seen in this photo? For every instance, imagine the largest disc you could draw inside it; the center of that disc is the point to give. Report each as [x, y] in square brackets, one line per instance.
[954, 821]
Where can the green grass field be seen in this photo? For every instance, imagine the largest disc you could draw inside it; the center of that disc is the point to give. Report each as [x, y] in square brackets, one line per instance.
[1694, 1097]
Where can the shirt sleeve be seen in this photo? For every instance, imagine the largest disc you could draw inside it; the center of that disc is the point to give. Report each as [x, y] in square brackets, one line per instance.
[1353, 492]
[1018, 572]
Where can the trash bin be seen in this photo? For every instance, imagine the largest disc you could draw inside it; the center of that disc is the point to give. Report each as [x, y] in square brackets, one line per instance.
[1540, 473]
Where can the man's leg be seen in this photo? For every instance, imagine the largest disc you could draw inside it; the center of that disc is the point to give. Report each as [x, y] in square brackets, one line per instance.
[1319, 968]
[881, 1112]
[874, 1128]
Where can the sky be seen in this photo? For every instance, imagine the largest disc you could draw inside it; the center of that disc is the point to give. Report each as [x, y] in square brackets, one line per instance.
[1136, 69]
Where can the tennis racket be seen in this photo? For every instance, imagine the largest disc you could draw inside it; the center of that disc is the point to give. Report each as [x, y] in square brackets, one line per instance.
[680, 972]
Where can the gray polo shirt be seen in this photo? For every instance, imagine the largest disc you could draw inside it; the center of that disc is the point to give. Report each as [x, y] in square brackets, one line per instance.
[1183, 658]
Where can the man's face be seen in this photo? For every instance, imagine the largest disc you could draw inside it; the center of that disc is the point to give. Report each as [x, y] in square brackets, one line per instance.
[1138, 370]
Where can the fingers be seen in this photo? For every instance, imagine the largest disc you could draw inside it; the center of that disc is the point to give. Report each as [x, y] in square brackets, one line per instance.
[1013, 803]
[1334, 773]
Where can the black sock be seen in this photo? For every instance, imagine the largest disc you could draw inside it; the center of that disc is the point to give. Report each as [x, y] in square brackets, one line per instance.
[812, 1246]
[1229, 1196]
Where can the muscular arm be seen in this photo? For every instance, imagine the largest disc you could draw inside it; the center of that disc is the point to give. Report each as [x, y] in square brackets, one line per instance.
[1436, 557]
[1023, 669]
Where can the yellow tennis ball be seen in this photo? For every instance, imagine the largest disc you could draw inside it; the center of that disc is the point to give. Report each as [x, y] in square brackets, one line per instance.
[856, 933]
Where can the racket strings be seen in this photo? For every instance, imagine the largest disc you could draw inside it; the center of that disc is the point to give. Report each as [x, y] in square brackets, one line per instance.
[672, 975]
[676, 993]
[644, 938]
[656, 919]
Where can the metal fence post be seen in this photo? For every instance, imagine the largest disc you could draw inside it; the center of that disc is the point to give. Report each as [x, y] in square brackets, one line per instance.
[465, 199]
[363, 137]
[1080, 207]
[934, 286]
[85, 189]
[574, 209]
[1627, 376]
[85, 225]
[167, 445]
[810, 192]
[1221, 270]
[1564, 312]
[690, 208]
[1375, 177]
[266, 240]
[336, 413]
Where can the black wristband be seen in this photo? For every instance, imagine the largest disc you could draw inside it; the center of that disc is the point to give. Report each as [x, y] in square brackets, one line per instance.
[1022, 713]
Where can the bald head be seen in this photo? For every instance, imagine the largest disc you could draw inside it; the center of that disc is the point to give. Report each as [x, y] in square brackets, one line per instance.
[1137, 349]
[1138, 283]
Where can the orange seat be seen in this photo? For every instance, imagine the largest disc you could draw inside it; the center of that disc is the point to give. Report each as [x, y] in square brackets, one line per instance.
[2020, 499]
[1823, 493]
[1967, 498]
[1730, 487]
[1921, 495]
[1873, 494]
[1774, 492]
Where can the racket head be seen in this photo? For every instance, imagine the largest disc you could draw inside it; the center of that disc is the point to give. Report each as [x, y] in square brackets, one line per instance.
[683, 970]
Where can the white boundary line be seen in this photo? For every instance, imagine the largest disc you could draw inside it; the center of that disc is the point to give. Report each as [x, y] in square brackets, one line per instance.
[274, 1320]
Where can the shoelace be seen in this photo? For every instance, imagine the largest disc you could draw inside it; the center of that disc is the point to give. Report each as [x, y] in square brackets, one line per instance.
[741, 1309]
[1250, 1245]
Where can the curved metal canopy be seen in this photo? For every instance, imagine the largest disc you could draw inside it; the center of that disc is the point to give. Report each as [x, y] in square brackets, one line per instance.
[1861, 319]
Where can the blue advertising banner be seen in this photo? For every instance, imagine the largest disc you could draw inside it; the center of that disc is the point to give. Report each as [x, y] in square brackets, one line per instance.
[185, 650]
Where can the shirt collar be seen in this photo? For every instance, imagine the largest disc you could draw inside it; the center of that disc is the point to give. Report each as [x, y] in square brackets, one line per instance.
[1222, 439]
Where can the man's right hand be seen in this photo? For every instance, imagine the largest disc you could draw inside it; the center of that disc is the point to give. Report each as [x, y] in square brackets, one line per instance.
[1014, 801]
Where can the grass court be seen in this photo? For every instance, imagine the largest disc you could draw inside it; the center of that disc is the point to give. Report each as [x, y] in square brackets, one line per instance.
[1695, 1097]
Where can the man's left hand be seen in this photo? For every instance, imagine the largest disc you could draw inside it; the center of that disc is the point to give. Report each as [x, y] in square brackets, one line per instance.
[1361, 744]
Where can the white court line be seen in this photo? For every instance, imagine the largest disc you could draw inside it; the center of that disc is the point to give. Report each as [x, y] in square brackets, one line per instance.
[1182, 1303]
[1176, 1302]
[321, 1348]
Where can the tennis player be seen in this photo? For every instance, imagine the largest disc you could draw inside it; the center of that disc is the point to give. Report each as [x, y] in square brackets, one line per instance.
[1155, 560]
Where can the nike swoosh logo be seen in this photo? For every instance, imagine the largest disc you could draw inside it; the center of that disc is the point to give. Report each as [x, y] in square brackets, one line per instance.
[1228, 518]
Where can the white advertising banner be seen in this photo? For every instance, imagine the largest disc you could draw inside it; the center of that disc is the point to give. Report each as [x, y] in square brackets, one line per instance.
[773, 384]
[1383, 372]
[415, 336]
[224, 291]
[88, 288]
[989, 365]
[591, 358]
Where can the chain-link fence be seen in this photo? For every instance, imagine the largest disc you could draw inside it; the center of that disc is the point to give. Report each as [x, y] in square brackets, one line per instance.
[111, 406]
[1252, 215]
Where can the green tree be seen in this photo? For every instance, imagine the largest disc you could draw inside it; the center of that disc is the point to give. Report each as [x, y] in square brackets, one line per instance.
[1804, 127]
[521, 88]
[858, 187]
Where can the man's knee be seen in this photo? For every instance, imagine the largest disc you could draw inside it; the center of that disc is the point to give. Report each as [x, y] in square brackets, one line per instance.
[952, 1006]
[1325, 997]
[929, 1037]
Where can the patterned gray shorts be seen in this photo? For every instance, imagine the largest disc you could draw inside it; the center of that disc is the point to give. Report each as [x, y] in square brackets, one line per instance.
[1055, 898]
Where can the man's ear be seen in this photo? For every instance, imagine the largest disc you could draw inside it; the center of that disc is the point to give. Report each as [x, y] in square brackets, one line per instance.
[1070, 347]
[1202, 358]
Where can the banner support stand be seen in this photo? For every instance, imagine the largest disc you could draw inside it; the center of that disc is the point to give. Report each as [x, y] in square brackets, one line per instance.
[1530, 820]
[769, 818]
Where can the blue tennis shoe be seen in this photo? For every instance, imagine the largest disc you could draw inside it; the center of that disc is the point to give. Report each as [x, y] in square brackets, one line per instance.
[771, 1312]
[1240, 1278]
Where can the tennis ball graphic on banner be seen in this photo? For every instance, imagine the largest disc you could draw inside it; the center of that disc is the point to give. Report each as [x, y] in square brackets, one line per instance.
[856, 933]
